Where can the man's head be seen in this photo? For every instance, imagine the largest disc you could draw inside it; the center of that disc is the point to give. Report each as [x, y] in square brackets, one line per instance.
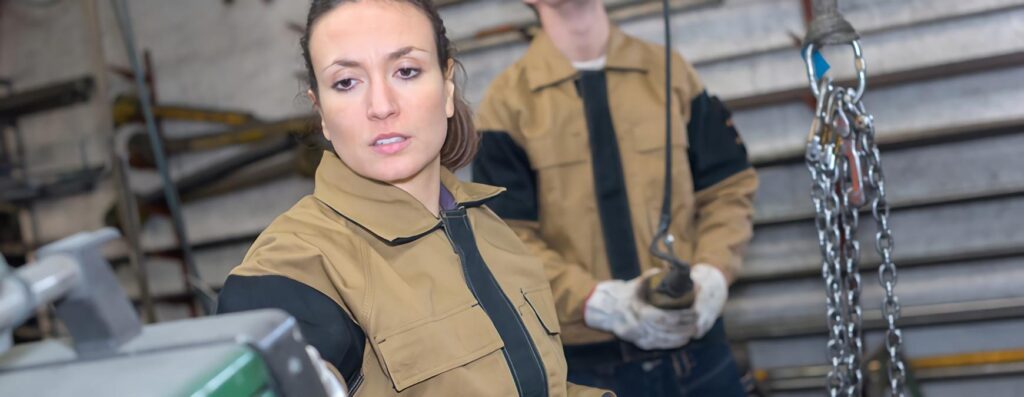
[549, 5]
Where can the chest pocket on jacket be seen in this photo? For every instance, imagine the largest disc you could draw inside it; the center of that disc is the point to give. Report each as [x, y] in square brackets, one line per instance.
[557, 148]
[433, 346]
[542, 304]
[650, 135]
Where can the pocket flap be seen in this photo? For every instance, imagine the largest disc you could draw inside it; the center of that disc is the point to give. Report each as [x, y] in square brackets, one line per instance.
[543, 304]
[650, 135]
[557, 148]
[435, 345]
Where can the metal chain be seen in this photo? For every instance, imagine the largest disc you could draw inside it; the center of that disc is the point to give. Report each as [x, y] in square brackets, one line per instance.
[845, 167]
[897, 371]
[852, 200]
[827, 169]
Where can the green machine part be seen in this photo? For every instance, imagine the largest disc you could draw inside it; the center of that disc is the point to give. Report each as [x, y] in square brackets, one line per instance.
[242, 374]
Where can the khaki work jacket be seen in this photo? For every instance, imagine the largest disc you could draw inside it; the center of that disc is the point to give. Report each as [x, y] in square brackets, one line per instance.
[380, 286]
[535, 142]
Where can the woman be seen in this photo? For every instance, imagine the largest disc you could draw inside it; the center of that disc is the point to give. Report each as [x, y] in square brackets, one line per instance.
[397, 273]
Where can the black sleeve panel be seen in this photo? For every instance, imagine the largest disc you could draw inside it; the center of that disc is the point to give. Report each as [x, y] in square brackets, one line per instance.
[716, 150]
[501, 162]
[325, 326]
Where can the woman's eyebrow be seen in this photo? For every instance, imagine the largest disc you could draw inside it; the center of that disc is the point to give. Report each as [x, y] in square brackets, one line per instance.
[401, 52]
[348, 63]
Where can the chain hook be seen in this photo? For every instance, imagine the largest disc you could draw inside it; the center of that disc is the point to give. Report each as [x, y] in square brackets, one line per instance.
[859, 64]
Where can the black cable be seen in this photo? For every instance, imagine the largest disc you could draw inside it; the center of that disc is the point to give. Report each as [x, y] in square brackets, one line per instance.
[666, 203]
[677, 282]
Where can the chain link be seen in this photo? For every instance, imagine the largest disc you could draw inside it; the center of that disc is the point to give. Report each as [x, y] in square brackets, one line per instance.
[884, 243]
[845, 166]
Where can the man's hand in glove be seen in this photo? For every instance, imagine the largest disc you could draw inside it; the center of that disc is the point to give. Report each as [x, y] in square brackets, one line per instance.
[615, 306]
[712, 290]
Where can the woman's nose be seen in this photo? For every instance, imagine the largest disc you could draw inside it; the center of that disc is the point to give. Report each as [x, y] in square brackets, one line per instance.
[382, 102]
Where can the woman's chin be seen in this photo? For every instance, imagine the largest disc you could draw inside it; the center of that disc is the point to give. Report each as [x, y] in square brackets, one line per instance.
[394, 171]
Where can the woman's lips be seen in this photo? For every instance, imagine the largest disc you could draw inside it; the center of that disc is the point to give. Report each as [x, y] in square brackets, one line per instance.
[390, 143]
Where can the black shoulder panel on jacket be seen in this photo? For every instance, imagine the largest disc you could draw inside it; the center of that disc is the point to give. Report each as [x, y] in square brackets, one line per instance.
[716, 150]
[501, 162]
[324, 324]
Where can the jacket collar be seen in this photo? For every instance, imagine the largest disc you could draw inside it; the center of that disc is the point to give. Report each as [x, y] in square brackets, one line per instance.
[546, 66]
[383, 209]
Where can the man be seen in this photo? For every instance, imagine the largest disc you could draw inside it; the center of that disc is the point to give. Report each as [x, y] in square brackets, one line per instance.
[576, 131]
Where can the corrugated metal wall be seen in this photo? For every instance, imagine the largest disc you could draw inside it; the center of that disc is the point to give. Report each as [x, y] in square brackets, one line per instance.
[946, 86]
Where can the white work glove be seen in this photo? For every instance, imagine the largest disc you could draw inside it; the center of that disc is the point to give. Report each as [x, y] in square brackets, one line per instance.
[615, 306]
[712, 290]
[332, 385]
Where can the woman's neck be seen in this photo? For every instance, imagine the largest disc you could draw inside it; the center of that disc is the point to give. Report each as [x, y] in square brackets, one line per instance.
[425, 186]
[579, 30]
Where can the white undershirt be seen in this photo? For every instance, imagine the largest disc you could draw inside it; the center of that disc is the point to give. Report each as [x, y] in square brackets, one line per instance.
[591, 65]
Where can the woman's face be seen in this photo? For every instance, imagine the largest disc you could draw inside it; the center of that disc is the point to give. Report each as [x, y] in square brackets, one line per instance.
[383, 97]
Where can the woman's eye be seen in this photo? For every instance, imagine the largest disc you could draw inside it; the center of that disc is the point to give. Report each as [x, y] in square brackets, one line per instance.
[407, 73]
[344, 84]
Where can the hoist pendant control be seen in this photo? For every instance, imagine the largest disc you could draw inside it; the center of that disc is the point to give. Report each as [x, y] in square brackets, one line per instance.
[671, 290]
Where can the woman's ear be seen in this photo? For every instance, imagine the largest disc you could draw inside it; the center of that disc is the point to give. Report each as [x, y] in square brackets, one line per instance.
[449, 89]
[316, 106]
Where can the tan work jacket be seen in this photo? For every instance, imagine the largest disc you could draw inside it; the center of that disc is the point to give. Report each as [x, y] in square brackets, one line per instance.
[536, 143]
[364, 262]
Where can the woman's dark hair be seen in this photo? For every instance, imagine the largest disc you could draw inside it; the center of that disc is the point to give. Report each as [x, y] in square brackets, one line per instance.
[461, 144]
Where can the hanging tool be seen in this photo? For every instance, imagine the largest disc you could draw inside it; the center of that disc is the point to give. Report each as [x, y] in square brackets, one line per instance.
[126, 109]
[46, 98]
[140, 153]
[672, 289]
[845, 166]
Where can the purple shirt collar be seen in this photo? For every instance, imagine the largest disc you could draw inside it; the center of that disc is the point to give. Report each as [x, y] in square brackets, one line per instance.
[447, 199]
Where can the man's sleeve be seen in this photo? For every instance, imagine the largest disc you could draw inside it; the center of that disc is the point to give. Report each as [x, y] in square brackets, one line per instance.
[502, 161]
[724, 182]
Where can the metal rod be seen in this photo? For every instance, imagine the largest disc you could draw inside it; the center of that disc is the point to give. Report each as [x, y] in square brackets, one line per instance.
[126, 205]
[912, 316]
[958, 366]
[34, 286]
[206, 300]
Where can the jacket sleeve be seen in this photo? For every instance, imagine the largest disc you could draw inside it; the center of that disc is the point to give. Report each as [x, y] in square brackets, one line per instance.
[324, 324]
[502, 161]
[724, 182]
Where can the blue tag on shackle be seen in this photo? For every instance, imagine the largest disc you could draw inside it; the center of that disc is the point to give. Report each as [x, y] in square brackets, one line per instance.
[821, 66]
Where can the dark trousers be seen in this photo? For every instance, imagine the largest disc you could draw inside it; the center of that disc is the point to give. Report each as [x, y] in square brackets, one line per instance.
[704, 367]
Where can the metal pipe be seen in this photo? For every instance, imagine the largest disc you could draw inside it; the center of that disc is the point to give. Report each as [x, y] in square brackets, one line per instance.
[912, 316]
[127, 207]
[206, 300]
[35, 285]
